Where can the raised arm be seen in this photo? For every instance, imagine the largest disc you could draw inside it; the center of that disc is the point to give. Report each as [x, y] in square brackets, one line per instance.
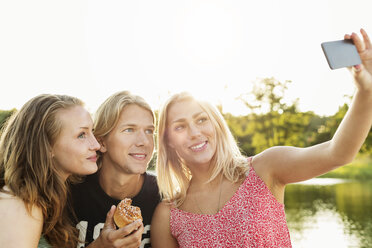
[160, 228]
[282, 165]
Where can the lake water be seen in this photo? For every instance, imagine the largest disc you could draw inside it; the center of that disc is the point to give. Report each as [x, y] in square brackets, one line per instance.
[329, 213]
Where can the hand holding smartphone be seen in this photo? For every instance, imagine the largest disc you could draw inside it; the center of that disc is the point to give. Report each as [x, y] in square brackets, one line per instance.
[341, 53]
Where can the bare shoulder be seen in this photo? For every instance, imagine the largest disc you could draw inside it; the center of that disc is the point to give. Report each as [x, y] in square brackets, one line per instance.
[275, 156]
[272, 161]
[281, 165]
[161, 215]
[164, 208]
[161, 235]
[13, 205]
[264, 160]
[270, 153]
[15, 217]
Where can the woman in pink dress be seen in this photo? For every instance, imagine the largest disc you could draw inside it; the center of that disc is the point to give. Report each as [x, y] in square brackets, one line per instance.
[215, 197]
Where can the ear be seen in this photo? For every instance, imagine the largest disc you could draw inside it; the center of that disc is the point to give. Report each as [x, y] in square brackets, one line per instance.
[51, 152]
[103, 148]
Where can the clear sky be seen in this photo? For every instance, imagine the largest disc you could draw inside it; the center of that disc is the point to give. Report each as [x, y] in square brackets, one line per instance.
[215, 49]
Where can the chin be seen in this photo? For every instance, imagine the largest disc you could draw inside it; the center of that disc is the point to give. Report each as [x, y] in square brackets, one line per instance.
[205, 159]
[91, 169]
[141, 171]
[138, 169]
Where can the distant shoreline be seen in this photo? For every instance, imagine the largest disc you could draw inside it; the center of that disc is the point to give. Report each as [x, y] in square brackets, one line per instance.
[359, 169]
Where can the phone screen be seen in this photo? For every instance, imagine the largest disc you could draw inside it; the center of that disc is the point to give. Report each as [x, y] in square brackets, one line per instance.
[341, 53]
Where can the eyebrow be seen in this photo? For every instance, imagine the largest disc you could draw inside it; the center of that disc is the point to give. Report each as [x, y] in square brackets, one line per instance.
[134, 125]
[193, 116]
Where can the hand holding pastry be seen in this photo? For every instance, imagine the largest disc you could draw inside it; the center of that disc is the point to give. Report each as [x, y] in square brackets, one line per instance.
[126, 213]
[127, 236]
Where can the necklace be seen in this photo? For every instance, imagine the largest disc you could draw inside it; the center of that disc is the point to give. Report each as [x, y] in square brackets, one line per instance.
[219, 199]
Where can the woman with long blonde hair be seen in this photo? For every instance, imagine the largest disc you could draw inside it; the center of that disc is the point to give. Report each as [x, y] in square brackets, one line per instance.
[214, 197]
[43, 144]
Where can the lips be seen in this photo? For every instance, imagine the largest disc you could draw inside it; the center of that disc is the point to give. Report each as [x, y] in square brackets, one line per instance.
[138, 156]
[199, 146]
[92, 158]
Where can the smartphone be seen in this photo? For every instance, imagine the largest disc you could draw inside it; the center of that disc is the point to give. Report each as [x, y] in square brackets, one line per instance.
[341, 53]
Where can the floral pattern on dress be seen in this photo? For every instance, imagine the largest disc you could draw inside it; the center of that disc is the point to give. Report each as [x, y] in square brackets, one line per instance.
[251, 218]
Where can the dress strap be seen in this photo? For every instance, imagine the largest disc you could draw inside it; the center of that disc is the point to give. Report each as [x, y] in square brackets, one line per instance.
[250, 161]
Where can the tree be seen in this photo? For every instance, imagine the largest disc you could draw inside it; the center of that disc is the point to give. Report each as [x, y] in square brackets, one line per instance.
[334, 121]
[267, 96]
[4, 115]
[273, 121]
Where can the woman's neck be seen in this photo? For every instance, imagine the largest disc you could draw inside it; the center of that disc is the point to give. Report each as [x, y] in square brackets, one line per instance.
[201, 173]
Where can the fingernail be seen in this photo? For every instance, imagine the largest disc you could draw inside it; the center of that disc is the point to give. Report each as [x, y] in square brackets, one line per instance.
[357, 67]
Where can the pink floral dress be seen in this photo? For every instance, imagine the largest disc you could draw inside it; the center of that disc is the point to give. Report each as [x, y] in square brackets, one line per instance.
[251, 218]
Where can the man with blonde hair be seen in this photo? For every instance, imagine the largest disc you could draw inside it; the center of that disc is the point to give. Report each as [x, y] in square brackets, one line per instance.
[124, 126]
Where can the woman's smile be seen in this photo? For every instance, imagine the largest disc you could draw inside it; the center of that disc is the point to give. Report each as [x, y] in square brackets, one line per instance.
[199, 147]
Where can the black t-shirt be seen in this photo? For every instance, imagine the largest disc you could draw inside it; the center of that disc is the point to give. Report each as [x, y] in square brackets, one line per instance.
[91, 205]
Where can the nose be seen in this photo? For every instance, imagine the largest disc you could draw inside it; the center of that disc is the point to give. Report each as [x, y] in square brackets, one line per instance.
[142, 139]
[94, 145]
[194, 131]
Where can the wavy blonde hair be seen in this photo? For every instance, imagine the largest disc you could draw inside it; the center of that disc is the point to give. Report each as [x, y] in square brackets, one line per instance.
[173, 174]
[108, 114]
[28, 169]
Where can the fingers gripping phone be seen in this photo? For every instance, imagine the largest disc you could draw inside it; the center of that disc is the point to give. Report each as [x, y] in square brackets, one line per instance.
[341, 53]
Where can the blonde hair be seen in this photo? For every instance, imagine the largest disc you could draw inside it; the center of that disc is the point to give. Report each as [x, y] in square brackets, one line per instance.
[172, 173]
[108, 114]
[27, 167]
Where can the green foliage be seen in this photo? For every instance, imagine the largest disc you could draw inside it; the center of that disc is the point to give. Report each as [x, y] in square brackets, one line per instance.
[4, 115]
[273, 122]
[360, 169]
[242, 131]
[267, 96]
